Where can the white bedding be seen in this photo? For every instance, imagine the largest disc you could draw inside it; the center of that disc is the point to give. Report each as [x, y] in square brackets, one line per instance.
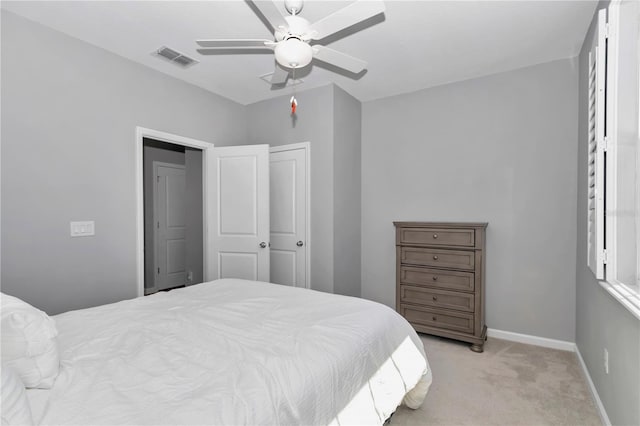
[234, 352]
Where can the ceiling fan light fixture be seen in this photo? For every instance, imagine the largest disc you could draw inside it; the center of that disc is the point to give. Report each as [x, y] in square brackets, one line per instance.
[293, 6]
[293, 53]
[293, 36]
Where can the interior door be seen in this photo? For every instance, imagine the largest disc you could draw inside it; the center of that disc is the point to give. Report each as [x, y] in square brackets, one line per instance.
[240, 186]
[170, 223]
[289, 215]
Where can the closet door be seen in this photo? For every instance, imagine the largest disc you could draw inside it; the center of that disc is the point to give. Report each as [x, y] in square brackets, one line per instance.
[170, 232]
[289, 201]
[240, 217]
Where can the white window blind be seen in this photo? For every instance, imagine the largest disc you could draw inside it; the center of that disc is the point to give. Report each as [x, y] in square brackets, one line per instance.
[597, 147]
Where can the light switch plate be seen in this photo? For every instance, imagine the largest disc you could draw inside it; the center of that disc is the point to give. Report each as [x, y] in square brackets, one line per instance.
[83, 229]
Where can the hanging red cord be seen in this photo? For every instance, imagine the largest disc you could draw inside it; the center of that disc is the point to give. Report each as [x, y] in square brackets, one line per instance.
[294, 104]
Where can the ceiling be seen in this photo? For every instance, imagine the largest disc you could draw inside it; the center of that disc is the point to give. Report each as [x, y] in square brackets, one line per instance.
[415, 45]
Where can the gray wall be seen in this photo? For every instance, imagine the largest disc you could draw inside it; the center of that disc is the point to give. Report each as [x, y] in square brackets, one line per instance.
[601, 321]
[270, 122]
[330, 119]
[69, 113]
[499, 149]
[151, 154]
[347, 119]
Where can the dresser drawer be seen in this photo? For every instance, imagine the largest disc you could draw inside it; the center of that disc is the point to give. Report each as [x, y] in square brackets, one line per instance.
[438, 237]
[440, 258]
[450, 280]
[457, 321]
[437, 298]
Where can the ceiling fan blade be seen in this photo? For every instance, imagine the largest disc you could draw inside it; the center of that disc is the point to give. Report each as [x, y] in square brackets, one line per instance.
[346, 17]
[269, 10]
[339, 59]
[234, 51]
[235, 43]
[279, 76]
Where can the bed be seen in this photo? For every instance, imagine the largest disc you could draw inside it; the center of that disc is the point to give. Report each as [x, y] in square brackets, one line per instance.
[234, 352]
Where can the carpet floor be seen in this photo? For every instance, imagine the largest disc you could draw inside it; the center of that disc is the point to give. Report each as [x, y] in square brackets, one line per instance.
[508, 384]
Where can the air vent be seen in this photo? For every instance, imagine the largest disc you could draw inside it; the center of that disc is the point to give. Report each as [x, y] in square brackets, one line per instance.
[176, 57]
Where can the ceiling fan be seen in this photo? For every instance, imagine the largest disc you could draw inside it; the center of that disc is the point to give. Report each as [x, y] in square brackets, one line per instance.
[295, 38]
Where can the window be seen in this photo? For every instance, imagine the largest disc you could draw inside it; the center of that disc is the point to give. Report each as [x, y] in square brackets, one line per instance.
[614, 153]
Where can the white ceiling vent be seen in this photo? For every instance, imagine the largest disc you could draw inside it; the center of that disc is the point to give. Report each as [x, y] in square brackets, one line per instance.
[176, 57]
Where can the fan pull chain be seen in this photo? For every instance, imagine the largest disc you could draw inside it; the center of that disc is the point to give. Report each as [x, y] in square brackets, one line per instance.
[294, 101]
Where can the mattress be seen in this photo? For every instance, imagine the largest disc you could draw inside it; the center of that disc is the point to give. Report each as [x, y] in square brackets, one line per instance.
[234, 352]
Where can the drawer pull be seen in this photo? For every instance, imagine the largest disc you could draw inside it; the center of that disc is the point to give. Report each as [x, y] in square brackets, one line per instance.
[434, 318]
[435, 257]
[435, 278]
[435, 236]
[435, 298]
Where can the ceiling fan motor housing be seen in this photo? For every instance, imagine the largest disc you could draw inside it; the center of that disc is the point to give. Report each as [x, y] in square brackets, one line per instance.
[298, 28]
[293, 53]
[293, 34]
[293, 49]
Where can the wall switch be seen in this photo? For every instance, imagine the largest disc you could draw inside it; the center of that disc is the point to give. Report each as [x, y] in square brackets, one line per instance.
[83, 229]
[606, 361]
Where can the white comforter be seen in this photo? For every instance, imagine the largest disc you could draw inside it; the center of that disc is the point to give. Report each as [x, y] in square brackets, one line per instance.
[234, 352]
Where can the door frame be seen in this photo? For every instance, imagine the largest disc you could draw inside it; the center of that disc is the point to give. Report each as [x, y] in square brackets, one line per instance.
[307, 158]
[207, 202]
[155, 166]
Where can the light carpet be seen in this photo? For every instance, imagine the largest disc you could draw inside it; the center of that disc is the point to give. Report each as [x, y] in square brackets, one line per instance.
[508, 384]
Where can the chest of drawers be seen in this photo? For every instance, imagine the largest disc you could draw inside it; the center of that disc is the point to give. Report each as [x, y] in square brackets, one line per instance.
[440, 279]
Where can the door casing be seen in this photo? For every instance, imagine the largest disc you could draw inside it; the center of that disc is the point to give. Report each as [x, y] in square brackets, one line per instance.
[207, 202]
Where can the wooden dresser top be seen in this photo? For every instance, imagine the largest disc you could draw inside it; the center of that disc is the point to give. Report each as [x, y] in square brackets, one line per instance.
[442, 224]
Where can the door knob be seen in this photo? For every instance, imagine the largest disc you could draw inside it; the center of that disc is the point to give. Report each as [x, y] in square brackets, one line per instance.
[263, 245]
[299, 243]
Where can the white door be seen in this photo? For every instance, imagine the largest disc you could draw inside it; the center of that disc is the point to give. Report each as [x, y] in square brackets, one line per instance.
[170, 225]
[240, 218]
[289, 215]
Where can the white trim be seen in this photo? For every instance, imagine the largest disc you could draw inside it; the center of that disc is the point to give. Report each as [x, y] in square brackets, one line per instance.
[611, 214]
[307, 149]
[627, 297]
[290, 147]
[563, 345]
[206, 148]
[594, 393]
[556, 344]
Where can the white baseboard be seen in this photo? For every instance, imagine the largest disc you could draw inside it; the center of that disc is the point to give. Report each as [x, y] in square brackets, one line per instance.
[532, 340]
[594, 393]
[556, 344]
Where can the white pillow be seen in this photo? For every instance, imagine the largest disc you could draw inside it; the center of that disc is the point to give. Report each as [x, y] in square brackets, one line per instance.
[15, 406]
[29, 342]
